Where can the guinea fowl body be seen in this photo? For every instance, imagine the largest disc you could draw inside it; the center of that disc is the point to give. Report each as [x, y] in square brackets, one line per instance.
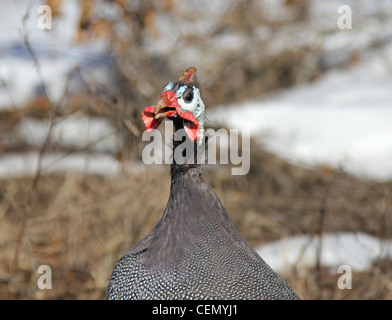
[194, 251]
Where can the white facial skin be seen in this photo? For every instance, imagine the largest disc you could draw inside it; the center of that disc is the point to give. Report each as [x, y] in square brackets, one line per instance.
[189, 99]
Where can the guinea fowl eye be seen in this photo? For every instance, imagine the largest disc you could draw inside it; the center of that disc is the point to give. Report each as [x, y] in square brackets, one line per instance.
[188, 97]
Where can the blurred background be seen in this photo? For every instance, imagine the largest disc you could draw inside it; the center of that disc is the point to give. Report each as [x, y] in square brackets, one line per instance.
[75, 195]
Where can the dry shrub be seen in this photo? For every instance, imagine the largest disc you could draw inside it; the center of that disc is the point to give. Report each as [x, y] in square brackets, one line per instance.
[79, 226]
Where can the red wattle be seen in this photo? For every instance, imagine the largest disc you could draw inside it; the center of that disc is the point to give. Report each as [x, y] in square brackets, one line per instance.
[191, 126]
[191, 130]
[149, 120]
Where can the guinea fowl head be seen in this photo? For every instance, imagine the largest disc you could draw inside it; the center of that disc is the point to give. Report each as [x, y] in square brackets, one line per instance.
[181, 102]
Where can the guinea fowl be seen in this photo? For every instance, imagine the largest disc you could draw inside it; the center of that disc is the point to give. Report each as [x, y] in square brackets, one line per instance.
[194, 251]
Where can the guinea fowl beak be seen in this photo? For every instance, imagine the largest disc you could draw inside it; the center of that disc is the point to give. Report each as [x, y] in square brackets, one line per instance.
[164, 107]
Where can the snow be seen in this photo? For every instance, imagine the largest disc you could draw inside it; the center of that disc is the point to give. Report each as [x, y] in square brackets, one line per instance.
[58, 53]
[19, 165]
[356, 250]
[96, 134]
[56, 50]
[342, 120]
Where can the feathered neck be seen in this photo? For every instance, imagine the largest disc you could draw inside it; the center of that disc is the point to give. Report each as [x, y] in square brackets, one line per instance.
[186, 153]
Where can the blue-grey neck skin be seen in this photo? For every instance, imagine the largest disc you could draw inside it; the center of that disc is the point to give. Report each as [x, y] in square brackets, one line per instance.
[191, 151]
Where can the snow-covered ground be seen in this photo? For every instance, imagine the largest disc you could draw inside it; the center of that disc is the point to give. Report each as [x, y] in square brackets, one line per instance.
[356, 250]
[56, 51]
[342, 119]
[26, 164]
[92, 133]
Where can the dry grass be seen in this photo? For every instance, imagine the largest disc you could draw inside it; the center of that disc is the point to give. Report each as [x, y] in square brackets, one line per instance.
[80, 225]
